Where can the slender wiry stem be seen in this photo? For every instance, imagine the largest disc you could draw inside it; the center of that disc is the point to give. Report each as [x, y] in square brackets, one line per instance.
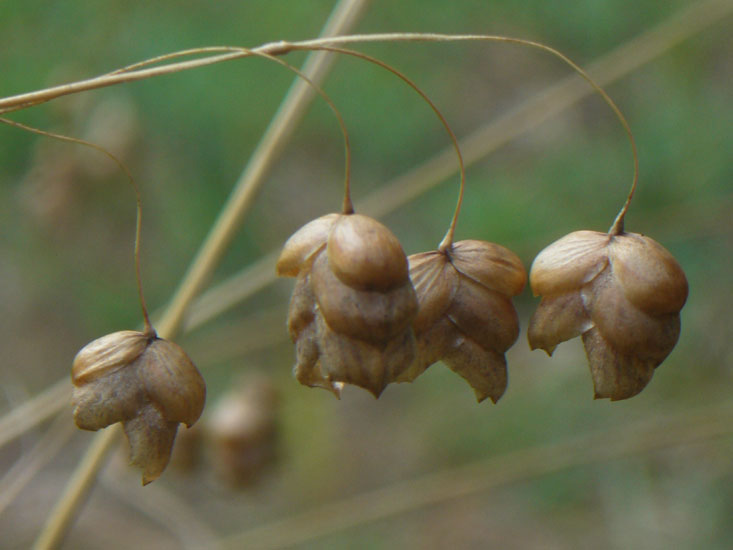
[77, 489]
[280, 48]
[448, 239]
[249, 183]
[348, 207]
[403, 189]
[148, 328]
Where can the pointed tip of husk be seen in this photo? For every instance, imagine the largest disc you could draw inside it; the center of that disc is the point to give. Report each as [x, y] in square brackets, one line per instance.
[549, 350]
[335, 389]
[481, 397]
[376, 392]
[147, 480]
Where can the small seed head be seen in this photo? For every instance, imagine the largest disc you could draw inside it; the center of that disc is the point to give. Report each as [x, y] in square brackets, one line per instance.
[147, 383]
[352, 308]
[243, 432]
[622, 293]
[465, 316]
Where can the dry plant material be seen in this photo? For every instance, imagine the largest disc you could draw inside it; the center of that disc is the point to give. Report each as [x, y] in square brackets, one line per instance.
[352, 308]
[147, 383]
[242, 430]
[466, 317]
[622, 292]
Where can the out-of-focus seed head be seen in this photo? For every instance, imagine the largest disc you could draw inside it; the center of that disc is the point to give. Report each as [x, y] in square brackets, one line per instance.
[465, 315]
[243, 432]
[622, 293]
[352, 308]
[147, 383]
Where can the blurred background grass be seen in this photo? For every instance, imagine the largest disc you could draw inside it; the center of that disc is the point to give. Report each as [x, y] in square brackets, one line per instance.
[66, 219]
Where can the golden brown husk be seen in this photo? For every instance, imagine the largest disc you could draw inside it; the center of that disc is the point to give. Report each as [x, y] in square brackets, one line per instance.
[622, 293]
[147, 383]
[352, 308]
[466, 317]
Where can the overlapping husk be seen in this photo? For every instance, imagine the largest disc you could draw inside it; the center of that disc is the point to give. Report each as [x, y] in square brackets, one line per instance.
[352, 308]
[147, 383]
[622, 293]
[465, 316]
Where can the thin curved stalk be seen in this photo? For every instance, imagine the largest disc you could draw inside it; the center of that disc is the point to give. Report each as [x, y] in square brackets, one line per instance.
[148, 328]
[247, 186]
[532, 113]
[447, 241]
[241, 202]
[688, 20]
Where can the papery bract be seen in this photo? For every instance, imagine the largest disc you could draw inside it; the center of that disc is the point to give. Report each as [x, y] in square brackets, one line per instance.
[622, 293]
[147, 383]
[465, 316]
[352, 308]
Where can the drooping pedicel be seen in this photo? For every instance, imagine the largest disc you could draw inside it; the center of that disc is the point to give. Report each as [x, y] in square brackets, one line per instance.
[466, 316]
[622, 293]
[147, 383]
[352, 308]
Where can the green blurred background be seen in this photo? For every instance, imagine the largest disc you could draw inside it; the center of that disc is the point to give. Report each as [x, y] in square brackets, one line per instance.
[67, 220]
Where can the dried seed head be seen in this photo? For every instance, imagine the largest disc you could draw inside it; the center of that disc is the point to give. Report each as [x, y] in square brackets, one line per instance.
[353, 304]
[243, 432]
[147, 383]
[622, 293]
[465, 316]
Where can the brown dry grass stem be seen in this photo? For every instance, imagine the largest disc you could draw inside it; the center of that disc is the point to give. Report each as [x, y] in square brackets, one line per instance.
[665, 431]
[77, 488]
[31, 413]
[30, 463]
[247, 186]
[448, 239]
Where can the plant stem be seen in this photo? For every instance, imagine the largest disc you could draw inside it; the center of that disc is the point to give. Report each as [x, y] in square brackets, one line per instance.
[448, 239]
[393, 195]
[28, 465]
[77, 489]
[245, 190]
[35, 410]
[241, 200]
[148, 328]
